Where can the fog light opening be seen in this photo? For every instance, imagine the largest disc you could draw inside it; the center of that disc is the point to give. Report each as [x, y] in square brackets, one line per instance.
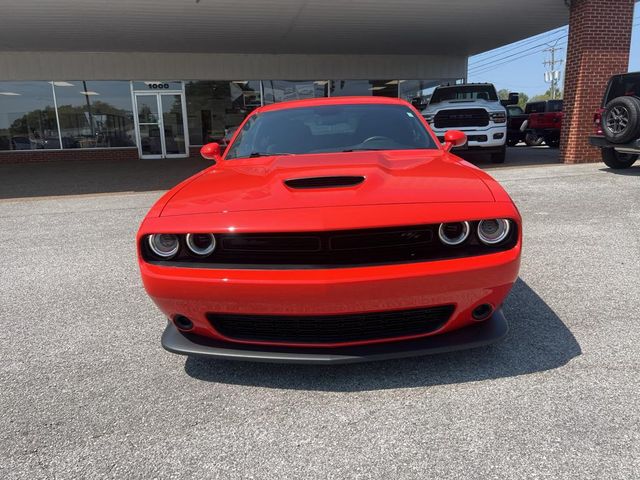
[482, 312]
[183, 323]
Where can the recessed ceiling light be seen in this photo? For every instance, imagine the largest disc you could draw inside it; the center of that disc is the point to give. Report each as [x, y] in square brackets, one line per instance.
[88, 92]
[63, 84]
[10, 94]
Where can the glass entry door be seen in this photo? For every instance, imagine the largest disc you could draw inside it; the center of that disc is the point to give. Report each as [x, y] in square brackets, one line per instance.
[161, 123]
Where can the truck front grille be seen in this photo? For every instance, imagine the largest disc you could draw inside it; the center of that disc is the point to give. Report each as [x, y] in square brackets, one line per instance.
[466, 117]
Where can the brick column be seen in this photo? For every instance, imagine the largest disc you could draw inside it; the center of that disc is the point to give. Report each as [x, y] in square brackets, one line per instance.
[599, 43]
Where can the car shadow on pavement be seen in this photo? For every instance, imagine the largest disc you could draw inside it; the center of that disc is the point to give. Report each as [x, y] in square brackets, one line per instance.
[537, 341]
[633, 171]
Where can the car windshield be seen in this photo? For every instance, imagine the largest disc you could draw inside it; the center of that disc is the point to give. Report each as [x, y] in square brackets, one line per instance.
[331, 128]
[467, 92]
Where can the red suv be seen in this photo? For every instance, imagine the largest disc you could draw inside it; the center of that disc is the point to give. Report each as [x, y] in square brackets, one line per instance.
[545, 121]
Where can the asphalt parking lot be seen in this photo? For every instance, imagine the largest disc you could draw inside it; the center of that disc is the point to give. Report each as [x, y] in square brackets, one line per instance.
[86, 390]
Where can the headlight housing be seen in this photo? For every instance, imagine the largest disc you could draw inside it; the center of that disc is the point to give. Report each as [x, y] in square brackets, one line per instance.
[498, 117]
[164, 245]
[454, 233]
[201, 244]
[493, 231]
[429, 117]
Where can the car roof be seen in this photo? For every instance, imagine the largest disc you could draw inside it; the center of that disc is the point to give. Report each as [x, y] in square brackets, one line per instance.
[323, 101]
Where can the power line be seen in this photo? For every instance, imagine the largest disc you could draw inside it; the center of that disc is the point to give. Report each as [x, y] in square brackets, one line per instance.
[515, 46]
[493, 67]
[487, 64]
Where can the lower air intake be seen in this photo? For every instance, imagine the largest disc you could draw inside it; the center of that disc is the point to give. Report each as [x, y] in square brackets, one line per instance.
[318, 329]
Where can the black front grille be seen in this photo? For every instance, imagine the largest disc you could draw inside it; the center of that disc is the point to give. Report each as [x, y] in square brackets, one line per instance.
[331, 249]
[331, 328]
[465, 117]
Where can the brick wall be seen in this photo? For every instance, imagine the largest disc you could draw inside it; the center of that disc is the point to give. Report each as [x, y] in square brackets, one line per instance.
[115, 154]
[28, 156]
[599, 43]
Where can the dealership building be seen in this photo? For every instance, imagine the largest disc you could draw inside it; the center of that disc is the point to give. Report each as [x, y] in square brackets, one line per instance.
[157, 79]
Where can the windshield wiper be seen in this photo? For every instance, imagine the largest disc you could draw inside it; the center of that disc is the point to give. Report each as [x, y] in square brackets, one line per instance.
[265, 154]
[365, 149]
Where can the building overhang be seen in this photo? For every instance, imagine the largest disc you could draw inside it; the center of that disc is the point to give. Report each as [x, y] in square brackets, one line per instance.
[332, 27]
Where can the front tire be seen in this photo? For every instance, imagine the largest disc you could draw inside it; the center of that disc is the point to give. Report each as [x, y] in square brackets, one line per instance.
[533, 140]
[499, 157]
[617, 160]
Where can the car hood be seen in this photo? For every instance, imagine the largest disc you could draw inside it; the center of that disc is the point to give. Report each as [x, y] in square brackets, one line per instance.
[383, 178]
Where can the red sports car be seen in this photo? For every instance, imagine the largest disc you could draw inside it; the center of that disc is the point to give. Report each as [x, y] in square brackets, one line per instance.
[332, 230]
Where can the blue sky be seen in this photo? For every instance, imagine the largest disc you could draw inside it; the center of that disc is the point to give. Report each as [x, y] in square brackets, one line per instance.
[519, 66]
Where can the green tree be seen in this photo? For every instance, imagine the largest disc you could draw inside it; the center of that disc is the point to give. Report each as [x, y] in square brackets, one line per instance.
[546, 96]
[524, 99]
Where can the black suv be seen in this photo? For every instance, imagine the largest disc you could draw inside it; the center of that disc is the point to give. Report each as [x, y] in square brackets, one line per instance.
[619, 122]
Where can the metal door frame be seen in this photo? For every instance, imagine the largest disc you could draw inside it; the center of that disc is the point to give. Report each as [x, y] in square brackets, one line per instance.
[160, 123]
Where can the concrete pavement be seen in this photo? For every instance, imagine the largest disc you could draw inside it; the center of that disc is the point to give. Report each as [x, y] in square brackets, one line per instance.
[87, 392]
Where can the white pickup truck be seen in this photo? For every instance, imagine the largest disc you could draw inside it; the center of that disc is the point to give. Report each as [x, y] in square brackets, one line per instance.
[475, 109]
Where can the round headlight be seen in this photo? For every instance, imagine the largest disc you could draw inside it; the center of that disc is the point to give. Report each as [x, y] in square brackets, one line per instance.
[164, 245]
[201, 244]
[492, 232]
[453, 233]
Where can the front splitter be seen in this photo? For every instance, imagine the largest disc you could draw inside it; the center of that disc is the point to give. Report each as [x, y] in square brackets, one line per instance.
[478, 335]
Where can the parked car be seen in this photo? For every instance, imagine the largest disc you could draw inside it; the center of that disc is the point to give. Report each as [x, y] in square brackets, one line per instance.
[618, 121]
[332, 230]
[515, 119]
[545, 121]
[475, 109]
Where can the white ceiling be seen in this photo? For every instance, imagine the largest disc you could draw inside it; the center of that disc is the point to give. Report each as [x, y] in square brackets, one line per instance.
[458, 27]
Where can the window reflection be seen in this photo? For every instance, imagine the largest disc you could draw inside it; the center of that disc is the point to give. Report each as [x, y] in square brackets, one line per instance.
[27, 116]
[284, 90]
[95, 114]
[215, 109]
[377, 88]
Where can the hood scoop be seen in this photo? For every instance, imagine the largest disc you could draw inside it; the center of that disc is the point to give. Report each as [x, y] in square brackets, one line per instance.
[324, 182]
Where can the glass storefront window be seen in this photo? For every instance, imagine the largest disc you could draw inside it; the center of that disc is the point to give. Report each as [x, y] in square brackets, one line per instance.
[283, 90]
[95, 114]
[216, 109]
[367, 88]
[27, 116]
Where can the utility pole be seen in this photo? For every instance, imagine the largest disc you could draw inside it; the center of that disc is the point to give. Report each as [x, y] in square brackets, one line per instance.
[552, 75]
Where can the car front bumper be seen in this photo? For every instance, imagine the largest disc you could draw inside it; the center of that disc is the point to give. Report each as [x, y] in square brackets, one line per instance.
[478, 137]
[464, 283]
[473, 336]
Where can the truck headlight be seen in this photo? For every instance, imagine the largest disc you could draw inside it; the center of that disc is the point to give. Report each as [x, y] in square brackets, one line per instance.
[498, 117]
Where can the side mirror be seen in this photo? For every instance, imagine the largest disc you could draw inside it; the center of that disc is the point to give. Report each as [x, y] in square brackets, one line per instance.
[514, 98]
[211, 151]
[454, 138]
